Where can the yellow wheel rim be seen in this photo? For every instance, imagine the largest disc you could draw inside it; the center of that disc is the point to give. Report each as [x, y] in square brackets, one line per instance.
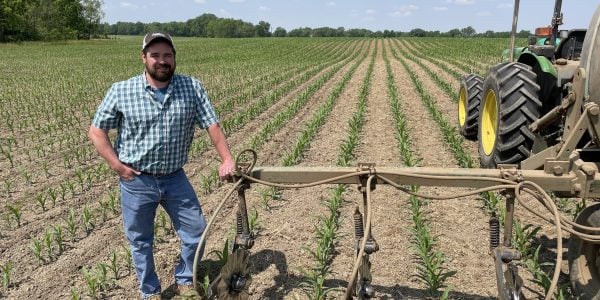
[489, 122]
[462, 107]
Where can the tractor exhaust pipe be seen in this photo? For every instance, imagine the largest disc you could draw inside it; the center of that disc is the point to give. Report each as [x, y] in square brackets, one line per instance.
[556, 21]
[513, 33]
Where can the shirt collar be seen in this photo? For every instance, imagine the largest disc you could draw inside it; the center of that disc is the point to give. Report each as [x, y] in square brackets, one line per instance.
[147, 85]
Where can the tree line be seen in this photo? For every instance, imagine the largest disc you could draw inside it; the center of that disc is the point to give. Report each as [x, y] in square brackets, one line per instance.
[48, 20]
[211, 26]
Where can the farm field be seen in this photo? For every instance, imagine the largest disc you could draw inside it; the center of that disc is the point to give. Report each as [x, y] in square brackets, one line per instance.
[297, 102]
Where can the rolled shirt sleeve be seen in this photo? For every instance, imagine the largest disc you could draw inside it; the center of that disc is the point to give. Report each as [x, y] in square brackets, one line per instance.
[107, 116]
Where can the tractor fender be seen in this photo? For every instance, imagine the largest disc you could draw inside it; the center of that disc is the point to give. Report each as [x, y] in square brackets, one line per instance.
[516, 53]
[543, 63]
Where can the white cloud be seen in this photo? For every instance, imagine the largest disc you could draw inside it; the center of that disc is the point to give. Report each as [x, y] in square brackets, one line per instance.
[330, 3]
[505, 5]
[370, 11]
[440, 8]
[404, 11]
[263, 8]
[464, 2]
[200, 1]
[224, 13]
[128, 5]
[483, 14]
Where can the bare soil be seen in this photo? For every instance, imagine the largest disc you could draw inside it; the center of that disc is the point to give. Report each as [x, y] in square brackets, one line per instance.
[286, 226]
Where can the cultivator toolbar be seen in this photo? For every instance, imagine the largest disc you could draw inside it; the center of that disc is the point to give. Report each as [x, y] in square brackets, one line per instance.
[580, 180]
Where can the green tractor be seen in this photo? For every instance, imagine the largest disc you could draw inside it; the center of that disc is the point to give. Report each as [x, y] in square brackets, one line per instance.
[540, 110]
[499, 110]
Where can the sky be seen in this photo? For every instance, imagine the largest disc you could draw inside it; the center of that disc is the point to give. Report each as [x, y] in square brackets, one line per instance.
[398, 15]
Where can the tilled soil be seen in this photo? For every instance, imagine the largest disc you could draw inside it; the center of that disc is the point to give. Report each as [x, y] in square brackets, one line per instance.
[285, 231]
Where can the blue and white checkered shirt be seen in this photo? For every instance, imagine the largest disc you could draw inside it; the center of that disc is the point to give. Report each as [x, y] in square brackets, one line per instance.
[154, 136]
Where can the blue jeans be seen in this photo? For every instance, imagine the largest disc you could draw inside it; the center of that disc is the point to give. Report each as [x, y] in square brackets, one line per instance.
[139, 199]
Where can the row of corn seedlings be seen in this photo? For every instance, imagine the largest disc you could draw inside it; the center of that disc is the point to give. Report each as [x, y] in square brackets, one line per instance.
[431, 269]
[291, 109]
[235, 122]
[523, 234]
[258, 107]
[327, 226]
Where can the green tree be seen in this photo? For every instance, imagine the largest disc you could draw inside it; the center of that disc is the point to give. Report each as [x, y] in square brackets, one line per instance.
[263, 29]
[92, 14]
[197, 26]
[468, 31]
[12, 20]
[279, 32]
[417, 32]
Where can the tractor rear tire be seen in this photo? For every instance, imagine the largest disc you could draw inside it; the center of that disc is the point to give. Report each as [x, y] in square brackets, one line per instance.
[590, 57]
[469, 98]
[509, 104]
[584, 268]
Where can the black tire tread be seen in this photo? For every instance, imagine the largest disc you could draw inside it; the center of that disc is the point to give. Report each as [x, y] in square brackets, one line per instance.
[519, 106]
[473, 85]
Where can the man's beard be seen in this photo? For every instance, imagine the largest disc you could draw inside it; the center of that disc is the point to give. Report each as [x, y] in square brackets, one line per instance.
[163, 73]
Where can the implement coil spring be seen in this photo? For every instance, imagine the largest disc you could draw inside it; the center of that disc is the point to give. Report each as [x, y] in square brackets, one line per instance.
[240, 226]
[358, 224]
[494, 232]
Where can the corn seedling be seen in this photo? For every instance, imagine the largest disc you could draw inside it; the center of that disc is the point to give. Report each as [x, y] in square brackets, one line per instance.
[114, 265]
[87, 220]
[75, 294]
[127, 258]
[36, 248]
[52, 196]
[8, 187]
[102, 276]
[72, 225]
[48, 243]
[15, 212]
[112, 200]
[6, 270]
[58, 238]
[91, 281]
[26, 176]
[41, 200]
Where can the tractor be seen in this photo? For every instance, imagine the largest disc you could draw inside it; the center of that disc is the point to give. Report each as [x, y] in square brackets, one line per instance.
[536, 117]
[537, 109]
[502, 112]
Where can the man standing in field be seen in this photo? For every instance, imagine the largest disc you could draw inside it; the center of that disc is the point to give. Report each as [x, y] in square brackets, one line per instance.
[155, 114]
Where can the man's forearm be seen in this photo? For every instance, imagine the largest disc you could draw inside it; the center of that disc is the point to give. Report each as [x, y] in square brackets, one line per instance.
[99, 138]
[220, 142]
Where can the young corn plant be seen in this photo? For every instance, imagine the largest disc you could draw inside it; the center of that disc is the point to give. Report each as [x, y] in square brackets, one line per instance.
[41, 200]
[75, 294]
[36, 248]
[88, 220]
[91, 282]
[114, 265]
[15, 212]
[326, 228]
[431, 269]
[49, 244]
[72, 225]
[6, 271]
[57, 233]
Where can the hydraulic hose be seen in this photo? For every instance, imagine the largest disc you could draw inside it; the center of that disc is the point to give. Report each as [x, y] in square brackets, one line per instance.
[520, 189]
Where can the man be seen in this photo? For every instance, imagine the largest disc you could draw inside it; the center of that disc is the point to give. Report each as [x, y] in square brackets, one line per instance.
[155, 114]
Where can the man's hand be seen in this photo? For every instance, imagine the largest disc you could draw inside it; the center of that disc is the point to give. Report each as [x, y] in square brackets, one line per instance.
[226, 169]
[126, 172]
